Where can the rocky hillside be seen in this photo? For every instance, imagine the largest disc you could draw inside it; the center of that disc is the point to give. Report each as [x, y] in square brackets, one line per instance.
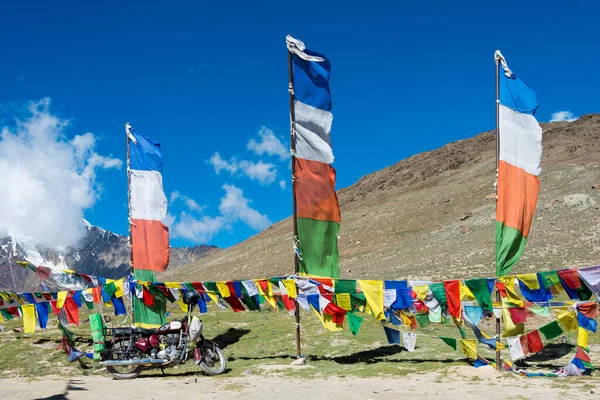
[432, 215]
[100, 253]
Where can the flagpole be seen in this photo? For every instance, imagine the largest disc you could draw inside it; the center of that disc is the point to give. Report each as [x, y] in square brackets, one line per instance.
[294, 217]
[498, 299]
[127, 134]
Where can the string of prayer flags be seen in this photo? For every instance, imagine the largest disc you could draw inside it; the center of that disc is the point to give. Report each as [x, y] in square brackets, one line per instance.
[449, 341]
[354, 321]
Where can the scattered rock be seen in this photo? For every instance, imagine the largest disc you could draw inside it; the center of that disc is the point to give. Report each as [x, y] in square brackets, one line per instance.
[491, 196]
[466, 216]
[596, 186]
[247, 373]
[464, 229]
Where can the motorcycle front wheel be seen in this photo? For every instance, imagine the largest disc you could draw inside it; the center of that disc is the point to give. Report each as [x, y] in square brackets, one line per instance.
[212, 361]
[126, 371]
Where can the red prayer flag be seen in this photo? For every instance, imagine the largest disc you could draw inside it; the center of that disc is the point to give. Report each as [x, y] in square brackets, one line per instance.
[590, 309]
[43, 272]
[235, 303]
[518, 315]
[72, 311]
[413, 322]
[97, 294]
[501, 288]
[524, 344]
[534, 341]
[198, 286]
[148, 299]
[55, 309]
[453, 297]
[582, 355]
[570, 277]
[288, 303]
[337, 313]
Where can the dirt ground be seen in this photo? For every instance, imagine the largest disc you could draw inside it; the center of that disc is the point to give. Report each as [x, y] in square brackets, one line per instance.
[453, 383]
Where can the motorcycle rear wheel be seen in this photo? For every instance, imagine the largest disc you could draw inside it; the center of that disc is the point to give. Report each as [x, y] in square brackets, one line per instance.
[126, 371]
[213, 360]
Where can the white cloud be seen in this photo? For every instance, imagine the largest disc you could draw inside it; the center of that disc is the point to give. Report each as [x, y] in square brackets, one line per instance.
[189, 202]
[283, 184]
[234, 207]
[197, 230]
[47, 181]
[221, 164]
[265, 173]
[268, 143]
[563, 116]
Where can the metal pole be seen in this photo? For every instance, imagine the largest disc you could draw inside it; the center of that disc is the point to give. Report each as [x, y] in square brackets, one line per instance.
[498, 299]
[293, 147]
[127, 127]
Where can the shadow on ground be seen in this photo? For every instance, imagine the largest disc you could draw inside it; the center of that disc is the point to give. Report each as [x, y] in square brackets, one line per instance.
[72, 385]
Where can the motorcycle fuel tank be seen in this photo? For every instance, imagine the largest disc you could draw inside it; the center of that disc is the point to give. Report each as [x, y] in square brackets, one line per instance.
[170, 327]
[142, 344]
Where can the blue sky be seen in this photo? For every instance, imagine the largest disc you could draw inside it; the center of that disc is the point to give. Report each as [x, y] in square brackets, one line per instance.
[202, 77]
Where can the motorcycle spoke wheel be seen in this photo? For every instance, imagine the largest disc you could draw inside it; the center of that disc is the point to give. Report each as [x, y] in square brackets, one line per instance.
[213, 360]
[123, 371]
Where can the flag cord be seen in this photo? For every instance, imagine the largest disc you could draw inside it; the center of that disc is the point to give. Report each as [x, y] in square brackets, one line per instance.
[129, 220]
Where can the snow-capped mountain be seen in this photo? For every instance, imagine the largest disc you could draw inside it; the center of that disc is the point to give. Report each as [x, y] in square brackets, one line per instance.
[100, 252]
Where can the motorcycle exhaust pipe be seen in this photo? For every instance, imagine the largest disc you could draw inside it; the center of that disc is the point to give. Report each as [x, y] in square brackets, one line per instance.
[143, 361]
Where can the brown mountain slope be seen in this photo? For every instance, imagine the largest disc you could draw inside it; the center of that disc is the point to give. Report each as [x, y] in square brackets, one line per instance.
[430, 216]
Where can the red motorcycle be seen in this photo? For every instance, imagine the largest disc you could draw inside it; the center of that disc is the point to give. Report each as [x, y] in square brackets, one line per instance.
[129, 350]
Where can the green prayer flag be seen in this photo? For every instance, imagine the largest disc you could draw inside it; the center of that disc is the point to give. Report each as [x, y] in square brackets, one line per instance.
[358, 299]
[510, 244]
[110, 289]
[345, 286]
[550, 279]
[89, 304]
[481, 291]
[144, 316]
[422, 319]
[317, 242]
[248, 301]
[354, 321]
[584, 293]
[463, 334]
[6, 314]
[541, 311]
[449, 341]
[211, 287]
[551, 330]
[439, 292]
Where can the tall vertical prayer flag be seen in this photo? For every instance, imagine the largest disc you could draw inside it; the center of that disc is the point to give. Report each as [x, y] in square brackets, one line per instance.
[317, 209]
[149, 237]
[519, 165]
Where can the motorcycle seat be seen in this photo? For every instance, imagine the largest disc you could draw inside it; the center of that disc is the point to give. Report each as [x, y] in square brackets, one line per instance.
[121, 331]
[144, 331]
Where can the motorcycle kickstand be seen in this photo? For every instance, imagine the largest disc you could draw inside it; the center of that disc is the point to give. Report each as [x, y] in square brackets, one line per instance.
[162, 370]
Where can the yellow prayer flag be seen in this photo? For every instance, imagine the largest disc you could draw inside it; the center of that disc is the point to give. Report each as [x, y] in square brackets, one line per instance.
[290, 288]
[183, 306]
[373, 291]
[568, 321]
[582, 338]
[530, 280]
[327, 321]
[119, 285]
[469, 347]
[421, 291]
[407, 321]
[510, 328]
[60, 299]
[465, 292]
[212, 296]
[173, 285]
[223, 289]
[509, 286]
[343, 301]
[28, 318]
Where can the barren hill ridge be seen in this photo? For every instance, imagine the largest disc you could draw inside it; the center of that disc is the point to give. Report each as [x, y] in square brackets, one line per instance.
[432, 216]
